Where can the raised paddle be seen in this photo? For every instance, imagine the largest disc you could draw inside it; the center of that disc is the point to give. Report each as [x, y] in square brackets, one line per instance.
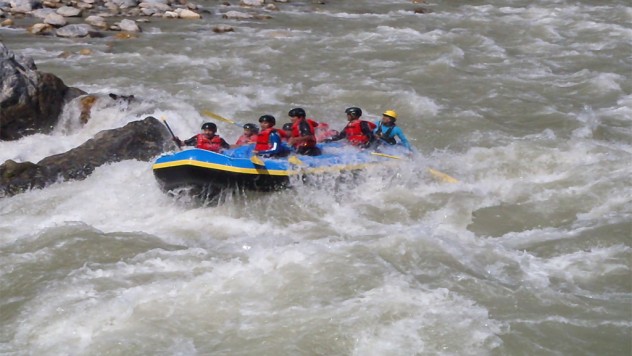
[444, 177]
[220, 118]
[171, 132]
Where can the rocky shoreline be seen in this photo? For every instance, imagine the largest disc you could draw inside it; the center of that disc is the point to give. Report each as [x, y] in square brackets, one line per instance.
[95, 18]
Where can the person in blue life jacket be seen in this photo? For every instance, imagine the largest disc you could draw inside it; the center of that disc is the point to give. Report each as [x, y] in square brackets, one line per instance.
[387, 130]
[269, 142]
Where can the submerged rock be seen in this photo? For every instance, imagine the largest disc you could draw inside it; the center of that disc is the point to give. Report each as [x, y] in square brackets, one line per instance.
[140, 140]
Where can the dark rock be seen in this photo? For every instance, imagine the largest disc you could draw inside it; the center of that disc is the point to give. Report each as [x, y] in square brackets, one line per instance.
[30, 101]
[139, 140]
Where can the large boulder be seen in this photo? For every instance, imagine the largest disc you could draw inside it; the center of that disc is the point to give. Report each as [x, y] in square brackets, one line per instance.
[139, 140]
[30, 101]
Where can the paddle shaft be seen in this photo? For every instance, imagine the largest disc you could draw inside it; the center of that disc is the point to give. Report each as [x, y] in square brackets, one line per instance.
[220, 118]
[171, 132]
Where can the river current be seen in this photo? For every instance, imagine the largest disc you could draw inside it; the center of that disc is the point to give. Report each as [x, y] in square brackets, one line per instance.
[527, 103]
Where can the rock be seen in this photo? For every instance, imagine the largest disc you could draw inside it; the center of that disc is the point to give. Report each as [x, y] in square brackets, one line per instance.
[30, 101]
[42, 13]
[78, 30]
[68, 11]
[55, 20]
[125, 36]
[96, 21]
[237, 15]
[129, 26]
[223, 28]
[188, 14]
[254, 3]
[6, 23]
[139, 140]
[125, 4]
[24, 6]
[40, 29]
[170, 15]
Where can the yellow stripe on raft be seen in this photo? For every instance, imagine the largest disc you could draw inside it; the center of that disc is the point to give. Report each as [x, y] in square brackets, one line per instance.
[262, 170]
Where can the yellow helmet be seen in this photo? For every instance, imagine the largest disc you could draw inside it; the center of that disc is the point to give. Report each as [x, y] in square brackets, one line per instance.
[390, 113]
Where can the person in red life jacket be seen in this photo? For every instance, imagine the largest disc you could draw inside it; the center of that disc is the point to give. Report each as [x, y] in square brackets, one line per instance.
[303, 139]
[323, 132]
[249, 136]
[357, 132]
[287, 130]
[207, 140]
[285, 134]
[269, 142]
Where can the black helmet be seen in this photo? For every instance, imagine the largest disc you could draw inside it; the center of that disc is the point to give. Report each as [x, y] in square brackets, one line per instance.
[268, 118]
[251, 127]
[209, 126]
[287, 126]
[357, 112]
[297, 112]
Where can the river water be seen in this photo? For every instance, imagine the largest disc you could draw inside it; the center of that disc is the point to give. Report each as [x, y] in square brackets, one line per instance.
[527, 103]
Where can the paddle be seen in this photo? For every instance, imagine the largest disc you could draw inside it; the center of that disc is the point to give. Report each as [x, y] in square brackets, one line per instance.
[256, 160]
[295, 161]
[220, 118]
[444, 177]
[171, 132]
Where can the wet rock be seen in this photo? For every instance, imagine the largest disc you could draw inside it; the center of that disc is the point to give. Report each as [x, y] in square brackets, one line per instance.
[42, 13]
[223, 28]
[254, 3]
[24, 6]
[129, 26]
[76, 30]
[139, 140]
[40, 29]
[96, 21]
[55, 20]
[188, 14]
[237, 15]
[30, 101]
[69, 11]
[6, 23]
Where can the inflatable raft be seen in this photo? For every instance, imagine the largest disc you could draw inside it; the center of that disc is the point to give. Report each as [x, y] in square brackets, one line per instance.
[237, 167]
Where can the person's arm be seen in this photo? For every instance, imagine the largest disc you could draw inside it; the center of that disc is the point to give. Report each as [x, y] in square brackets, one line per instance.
[191, 142]
[342, 134]
[399, 133]
[275, 142]
[366, 128]
[225, 145]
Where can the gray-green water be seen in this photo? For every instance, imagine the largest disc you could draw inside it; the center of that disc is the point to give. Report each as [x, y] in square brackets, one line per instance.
[527, 103]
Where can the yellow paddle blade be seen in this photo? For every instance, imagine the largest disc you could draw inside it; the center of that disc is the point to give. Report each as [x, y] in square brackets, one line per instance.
[385, 155]
[218, 117]
[444, 177]
[295, 161]
[256, 160]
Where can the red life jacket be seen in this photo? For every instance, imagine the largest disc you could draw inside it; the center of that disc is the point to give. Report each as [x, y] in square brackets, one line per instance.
[296, 132]
[214, 144]
[354, 132]
[263, 140]
[244, 140]
[284, 136]
[323, 132]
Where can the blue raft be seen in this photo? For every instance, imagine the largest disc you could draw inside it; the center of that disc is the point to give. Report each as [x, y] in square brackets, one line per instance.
[235, 168]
